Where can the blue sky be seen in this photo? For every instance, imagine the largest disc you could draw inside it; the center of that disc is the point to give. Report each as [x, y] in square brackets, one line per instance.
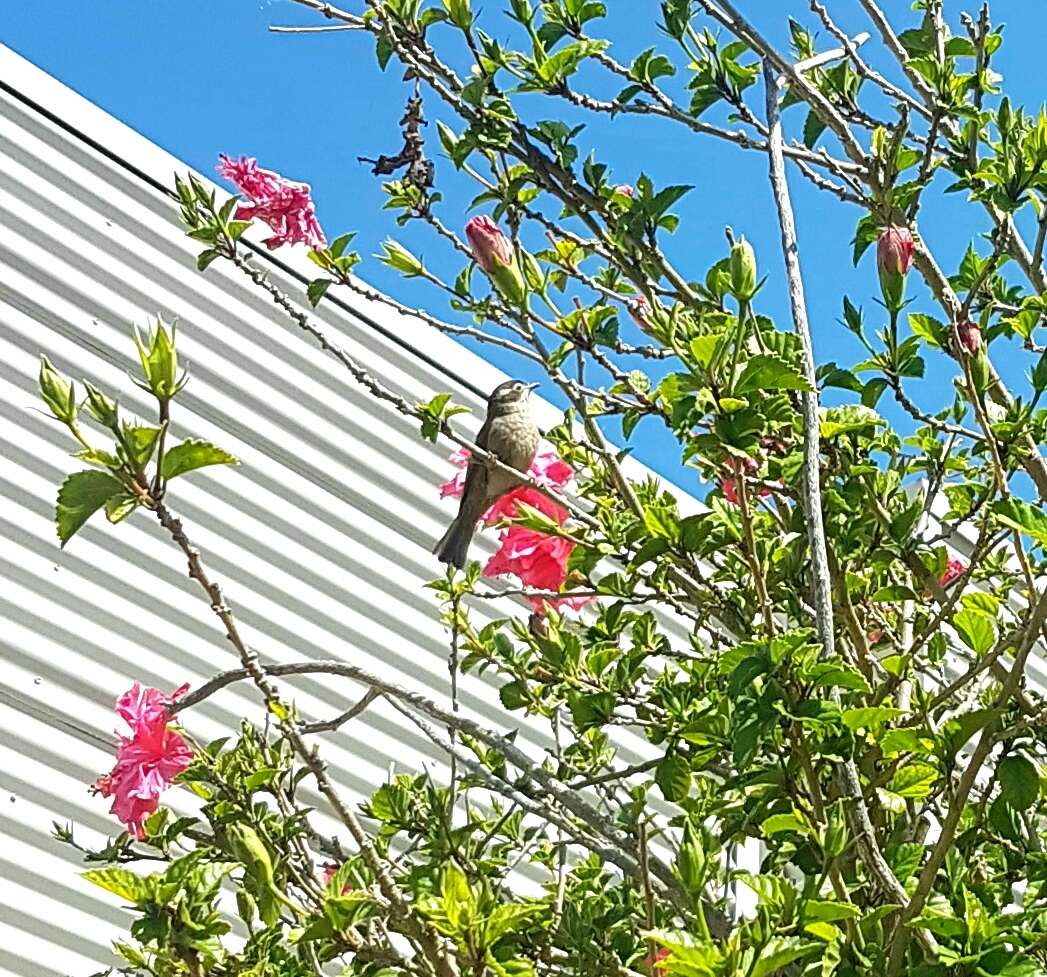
[201, 77]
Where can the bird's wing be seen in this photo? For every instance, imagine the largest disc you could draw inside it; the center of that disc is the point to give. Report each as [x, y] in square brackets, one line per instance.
[476, 474]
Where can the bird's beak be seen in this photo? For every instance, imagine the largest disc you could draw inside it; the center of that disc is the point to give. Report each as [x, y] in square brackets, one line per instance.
[533, 386]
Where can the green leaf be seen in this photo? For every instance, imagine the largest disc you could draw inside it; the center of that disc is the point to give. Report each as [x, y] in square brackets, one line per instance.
[813, 127]
[769, 372]
[140, 442]
[673, 776]
[316, 290]
[703, 348]
[865, 233]
[914, 780]
[778, 823]
[507, 918]
[514, 695]
[94, 456]
[976, 629]
[589, 711]
[830, 912]
[120, 506]
[824, 931]
[1019, 782]
[869, 717]
[851, 418]
[781, 950]
[661, 523]
[897, 741]
[930, 330]
[193, 454]
[121, 882]
[349, 908]
[82, 494]
[1022, 516]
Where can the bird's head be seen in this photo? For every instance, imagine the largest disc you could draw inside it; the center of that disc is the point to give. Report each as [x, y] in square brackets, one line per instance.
[509, 396]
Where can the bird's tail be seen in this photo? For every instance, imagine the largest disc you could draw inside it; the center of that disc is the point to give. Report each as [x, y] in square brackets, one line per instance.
[453, 546]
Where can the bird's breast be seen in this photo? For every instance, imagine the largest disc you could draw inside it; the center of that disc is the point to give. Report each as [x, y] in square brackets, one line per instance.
[513, 439]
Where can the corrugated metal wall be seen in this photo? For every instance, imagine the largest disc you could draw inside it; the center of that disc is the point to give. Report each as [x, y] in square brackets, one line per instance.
[321, 536]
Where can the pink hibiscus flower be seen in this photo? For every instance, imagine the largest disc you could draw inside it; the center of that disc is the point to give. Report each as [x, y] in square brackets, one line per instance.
[651, 962]
[953, 570]
[729, 487]
[286, 206]
[330, 870]
[537, 559]
[548, 469]
[147, 761]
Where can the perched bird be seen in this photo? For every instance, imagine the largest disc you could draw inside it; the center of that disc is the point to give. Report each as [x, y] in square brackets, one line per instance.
[512, 437]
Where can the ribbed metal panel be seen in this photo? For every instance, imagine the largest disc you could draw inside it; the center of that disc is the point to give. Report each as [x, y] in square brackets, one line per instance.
[321, 537]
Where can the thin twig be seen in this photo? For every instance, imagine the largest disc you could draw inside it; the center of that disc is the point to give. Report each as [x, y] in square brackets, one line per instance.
[850, 782]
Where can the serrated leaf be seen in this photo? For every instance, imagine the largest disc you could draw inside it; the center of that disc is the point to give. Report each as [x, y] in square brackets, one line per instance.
[779, 951]
[768, 372]
[869, 717]
[120, 882]
[929, 329]
[81, 495]
[119, 507]
[976, 629]
[204, 258]
[813, 127]
[140, 442]
[589, 711]
[1022, 516]
[824, 931]
[830, 912]
[513, 695]
[193, 454]
[914, 780]
[850, 418]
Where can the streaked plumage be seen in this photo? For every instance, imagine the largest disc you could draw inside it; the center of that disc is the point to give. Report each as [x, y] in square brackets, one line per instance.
[512, 437]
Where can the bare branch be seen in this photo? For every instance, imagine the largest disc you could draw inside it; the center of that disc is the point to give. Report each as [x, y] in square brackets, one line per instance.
[850, 782]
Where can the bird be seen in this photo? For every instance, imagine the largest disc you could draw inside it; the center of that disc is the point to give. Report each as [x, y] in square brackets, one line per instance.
[510, 435]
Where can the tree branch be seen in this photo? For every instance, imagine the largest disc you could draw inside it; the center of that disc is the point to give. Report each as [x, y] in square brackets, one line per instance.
[850, 782]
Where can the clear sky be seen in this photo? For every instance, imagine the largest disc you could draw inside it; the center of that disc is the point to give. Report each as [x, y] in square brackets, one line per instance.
[200, 77]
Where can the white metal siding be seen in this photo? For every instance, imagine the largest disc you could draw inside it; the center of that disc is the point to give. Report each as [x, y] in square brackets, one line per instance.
[321, 537]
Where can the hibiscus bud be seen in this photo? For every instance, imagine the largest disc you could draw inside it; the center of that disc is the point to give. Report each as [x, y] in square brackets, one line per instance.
[159, 360]
[246, 846]
[893, 258]
[970, 337]
[640, 312]
[743, 271]
[980, 371]
[102, 408]
[625, 190]
[494, 254]
[58, 393]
